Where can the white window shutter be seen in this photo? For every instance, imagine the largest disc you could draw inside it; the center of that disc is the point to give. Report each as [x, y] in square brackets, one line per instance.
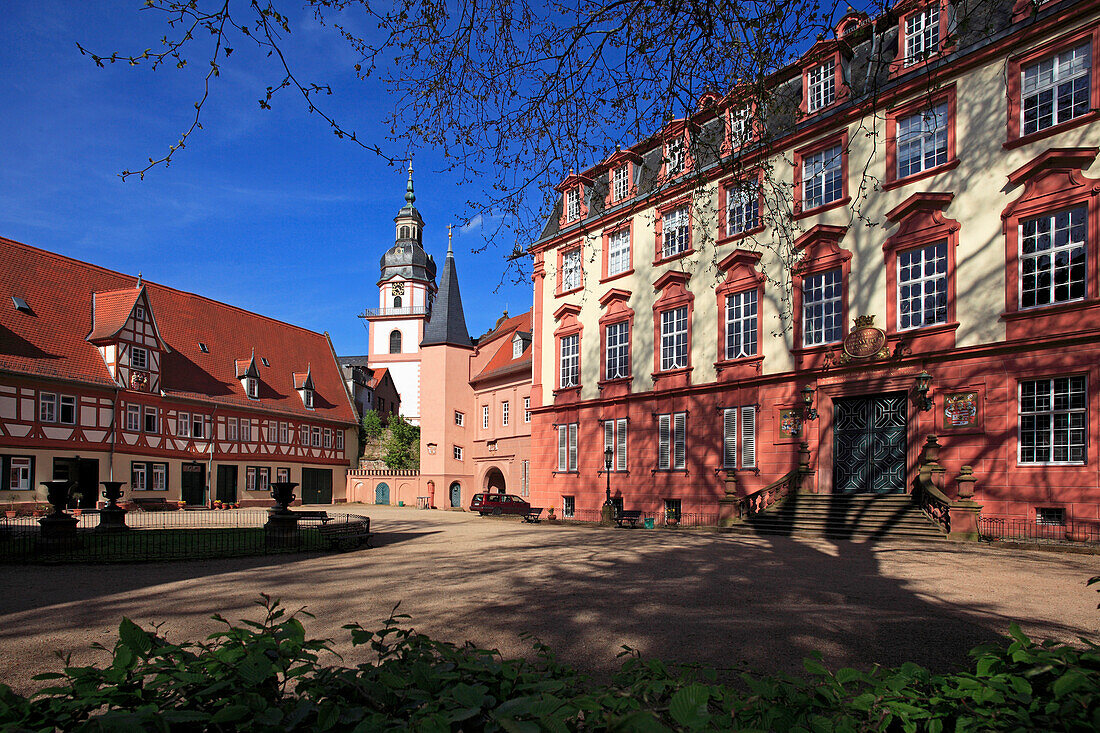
[680, 437]
[562, 449]
[748, 437]
[663, 424]
[572, 446]
[608, 436]
[729, 437]
[621, 448]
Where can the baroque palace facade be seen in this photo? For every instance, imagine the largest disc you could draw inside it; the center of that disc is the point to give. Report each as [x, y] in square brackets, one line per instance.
[899, 240]
[182, 398]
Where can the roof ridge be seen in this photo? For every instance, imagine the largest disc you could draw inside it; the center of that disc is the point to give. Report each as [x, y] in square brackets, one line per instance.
[100, 268]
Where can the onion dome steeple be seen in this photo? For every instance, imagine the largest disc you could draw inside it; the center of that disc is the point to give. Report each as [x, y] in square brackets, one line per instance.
[407, 257]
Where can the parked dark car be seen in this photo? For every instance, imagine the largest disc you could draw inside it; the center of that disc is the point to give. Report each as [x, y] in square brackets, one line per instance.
[497, 504]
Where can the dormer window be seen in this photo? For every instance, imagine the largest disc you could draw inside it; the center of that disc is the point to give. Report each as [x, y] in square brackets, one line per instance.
[307, 398]
[252, 388]
[139, 313]
[517, 346]
[139, 358]
[572, 191]
[573, 204]
[821, 86]
[921, 34]
[304, 384]
[674, 156]
[620, 182]
[740, 126]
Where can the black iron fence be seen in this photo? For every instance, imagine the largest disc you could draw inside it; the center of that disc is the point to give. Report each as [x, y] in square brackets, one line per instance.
[154, 536]
[997, 528]
[660, 519]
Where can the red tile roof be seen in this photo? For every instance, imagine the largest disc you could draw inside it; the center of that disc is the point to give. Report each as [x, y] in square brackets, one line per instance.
[502, 362]
[52, 340]
[379, 374]
[111, 311]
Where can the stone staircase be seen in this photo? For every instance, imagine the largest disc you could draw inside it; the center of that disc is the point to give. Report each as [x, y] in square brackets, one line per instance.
[844, 516]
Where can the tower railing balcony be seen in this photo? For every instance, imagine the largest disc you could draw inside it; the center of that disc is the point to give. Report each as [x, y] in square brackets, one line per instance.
[412, 310]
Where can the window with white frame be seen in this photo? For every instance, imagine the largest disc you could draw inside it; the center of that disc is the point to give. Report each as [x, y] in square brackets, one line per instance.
[740, 126]
[745, 438]
[572, 204]
[263, 479]
[457, 452]
[152, 421]
[252, 386]
[282, 474]
[1056, 89]
[328, 438]
[821, 86]
[620, 182]
[567, 447]
[250, 478]
[742, 208]
[922, 140]
[526, 409]
[284, 433]
[307, 398]
[303, 435]
[822, 308]
[922, 286]
[569, 374]
[741, 324]
[19, 475]
[198, 423]
[614, 437]
[822, 177]
[617, 358]
[460, 418]
[1053, 420]
[517, 347]
[160, 477]
[47, 407]
[139, 358]
[922, 34]
[66, 414]
[618, 252]
[674, 338]
[571, 269]
[568, 506]
[674, 156]
[139, 313]
[504, 409]
[133, 418]
[246, 430]
[183, 424]
[316, 433]
[672, 441]
[675, 226]
[1053, 257]
[231, 428]
[137, 477]
[484, 417]
[339, 440]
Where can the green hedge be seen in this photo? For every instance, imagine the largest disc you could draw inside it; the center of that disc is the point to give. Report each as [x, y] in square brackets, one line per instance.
[265, 676]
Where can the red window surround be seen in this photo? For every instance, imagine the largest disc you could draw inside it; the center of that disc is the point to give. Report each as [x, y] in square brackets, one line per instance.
[574, 181]
[741, 275]
[614, 303]
[891, 180]
[1014, 90]
[682, 130]
[658, 228]
[562, 251]
[674, 293]
[738, 101]
[618, 159]
[567, 318]
[905, 10]
[606, 248]
[800, 154]
[920, 222]
[756, 178]
[819, 54]
[1052, 182]
[821, 252]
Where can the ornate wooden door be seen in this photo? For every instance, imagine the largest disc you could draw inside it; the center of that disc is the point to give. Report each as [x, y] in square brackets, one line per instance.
[869, 444]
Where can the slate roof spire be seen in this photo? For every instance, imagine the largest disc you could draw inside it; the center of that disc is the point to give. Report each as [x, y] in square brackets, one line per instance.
[447, 324]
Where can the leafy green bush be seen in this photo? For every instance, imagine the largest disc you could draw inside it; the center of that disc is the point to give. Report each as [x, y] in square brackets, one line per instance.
[266, 676]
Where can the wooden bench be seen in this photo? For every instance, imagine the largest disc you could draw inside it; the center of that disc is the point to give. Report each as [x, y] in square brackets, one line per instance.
[151, 504]
[346, 535]
[533, 514]
[313, 515]
[629, 515]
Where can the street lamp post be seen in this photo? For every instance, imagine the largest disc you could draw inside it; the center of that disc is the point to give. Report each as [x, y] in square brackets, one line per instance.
[607, 513]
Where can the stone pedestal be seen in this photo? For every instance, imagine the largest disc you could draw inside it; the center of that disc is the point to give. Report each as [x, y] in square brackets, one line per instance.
[964, 520]
[112, 520]
[729, 506]
[281, 527]
[58, 527]
[607, 515]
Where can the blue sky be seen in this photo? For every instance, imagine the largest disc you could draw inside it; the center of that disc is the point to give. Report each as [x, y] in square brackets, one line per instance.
[266, 210]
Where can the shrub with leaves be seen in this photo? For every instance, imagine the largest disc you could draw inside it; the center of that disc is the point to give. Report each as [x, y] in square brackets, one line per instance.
[266, 676]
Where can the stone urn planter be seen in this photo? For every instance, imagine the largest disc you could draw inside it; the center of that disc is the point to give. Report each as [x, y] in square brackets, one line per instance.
[283, 494]
[282, 524]
[112, 518]
[58, 525]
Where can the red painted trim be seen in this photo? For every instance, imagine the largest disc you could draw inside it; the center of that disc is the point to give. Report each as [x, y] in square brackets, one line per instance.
[616, 310]
[1014, 90]
[737, 104]
[757, 177]
[628, 225]
[818, 55]
[741, 271]
[920, 222]
[568, 325]
[815, 147]
[890, 178]
[1053, 181]
[658, 229]
[673, 287]
[822, 252]
[905, 10]
[682, 130]
[562, 251]
[618, 159]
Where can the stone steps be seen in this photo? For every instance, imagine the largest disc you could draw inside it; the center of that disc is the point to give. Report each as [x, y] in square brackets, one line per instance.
[844, 516]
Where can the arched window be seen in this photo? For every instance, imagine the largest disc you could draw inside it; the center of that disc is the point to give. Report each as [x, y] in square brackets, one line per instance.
[397, 301]
[404, 232]
[395, 341]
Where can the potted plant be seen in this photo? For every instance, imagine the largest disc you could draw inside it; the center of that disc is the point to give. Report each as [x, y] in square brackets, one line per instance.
[40, 510]
[672, 518]
[550, 515]
[181, 504]
[9, 511]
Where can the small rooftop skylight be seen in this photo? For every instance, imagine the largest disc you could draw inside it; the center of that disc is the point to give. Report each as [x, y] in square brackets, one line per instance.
[263, 360]
[203, 349]
[20, 304]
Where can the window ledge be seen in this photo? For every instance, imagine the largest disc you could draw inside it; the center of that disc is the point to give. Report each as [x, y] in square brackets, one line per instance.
[671, 258]
[823, 208]
[616, 472]
[665, 373]
[565, 473]
[820, 349]
[612, 382]
[684, 471]
[1090, 116]
[616, 276]
[922, 331]
[899, 182]
[1042, 310]
[570, 291]
[741, 235]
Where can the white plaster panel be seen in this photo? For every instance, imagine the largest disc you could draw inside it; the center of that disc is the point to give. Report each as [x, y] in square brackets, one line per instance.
[9, 408]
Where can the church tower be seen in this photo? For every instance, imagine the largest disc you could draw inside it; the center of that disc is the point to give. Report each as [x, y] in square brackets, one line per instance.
[406, 294]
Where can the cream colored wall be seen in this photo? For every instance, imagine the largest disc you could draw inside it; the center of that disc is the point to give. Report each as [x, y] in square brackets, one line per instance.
[981, 191]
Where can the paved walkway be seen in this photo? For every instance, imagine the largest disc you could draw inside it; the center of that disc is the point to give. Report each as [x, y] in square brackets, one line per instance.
[681, 595]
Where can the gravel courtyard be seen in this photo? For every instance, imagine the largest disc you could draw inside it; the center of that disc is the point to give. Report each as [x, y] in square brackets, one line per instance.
[688, 596]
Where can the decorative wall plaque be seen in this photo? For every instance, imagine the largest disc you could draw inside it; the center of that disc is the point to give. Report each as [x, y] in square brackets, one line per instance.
[961, 410]
[139, 381]
[865, 341]
[790, 424]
